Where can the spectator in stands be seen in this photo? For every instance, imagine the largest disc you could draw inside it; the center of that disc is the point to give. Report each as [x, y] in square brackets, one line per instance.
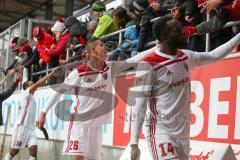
[14, 49]
[78, 35]
[128, 47]
[154, 9]
[121, 18]
[91, 27]
[106, 24]
[44, 43]
[221, 11]
[9, 74]
[62, 36]
[25, 54]
[7, 93]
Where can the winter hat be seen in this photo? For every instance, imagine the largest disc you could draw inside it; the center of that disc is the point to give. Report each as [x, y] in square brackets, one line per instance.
[70, 21]
[58, 26]
[77, 29]
[140, 5]
[98, 6]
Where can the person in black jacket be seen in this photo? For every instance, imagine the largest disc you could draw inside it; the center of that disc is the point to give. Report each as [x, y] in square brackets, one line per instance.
[7, 93]
[158, 8]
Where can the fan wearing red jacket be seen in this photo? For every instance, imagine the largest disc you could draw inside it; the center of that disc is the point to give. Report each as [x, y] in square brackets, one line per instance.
[62, 36]
[44, 43]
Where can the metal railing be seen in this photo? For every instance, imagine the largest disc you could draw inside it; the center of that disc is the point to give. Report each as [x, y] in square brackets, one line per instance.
[50, 69]
[152, 43]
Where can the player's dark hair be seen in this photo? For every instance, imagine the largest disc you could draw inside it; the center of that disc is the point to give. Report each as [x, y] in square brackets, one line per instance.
[25, 85]
[160, 28]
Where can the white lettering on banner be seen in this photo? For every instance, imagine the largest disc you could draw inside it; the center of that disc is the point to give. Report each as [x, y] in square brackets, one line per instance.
[237, 113]
[215, 107]
[196, 128]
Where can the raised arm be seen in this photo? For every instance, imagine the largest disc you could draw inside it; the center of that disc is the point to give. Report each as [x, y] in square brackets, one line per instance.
[42, 81]
[7, 93]
[120, 66]
[201, 58]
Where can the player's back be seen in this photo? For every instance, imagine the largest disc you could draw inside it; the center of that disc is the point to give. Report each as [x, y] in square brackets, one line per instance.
[168, 101]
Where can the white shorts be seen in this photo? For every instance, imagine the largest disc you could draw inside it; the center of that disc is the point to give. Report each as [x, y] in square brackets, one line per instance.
[23, 137]
[84, 141]
[164, 147]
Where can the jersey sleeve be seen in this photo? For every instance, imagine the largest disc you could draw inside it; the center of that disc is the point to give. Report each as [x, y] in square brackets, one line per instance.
[142, 88]
[65, 87]
[119, 66]
[196, 59]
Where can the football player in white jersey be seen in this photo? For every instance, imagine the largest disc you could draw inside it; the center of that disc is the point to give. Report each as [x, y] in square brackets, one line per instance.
[91, 84]
[163, 91]
[24, 130]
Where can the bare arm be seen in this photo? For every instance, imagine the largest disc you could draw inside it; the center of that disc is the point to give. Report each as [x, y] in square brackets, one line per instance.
[10, 73]
[41, 82]
[2, 81]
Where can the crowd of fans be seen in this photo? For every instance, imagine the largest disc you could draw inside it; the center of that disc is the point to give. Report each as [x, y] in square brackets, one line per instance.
[52, 44]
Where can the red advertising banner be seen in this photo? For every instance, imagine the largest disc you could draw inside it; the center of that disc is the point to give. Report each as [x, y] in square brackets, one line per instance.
[215, 104]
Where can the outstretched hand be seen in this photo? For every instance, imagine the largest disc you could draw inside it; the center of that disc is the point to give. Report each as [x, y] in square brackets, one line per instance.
[10, 73]
[175, 13]
[209, 5]
[41, 120]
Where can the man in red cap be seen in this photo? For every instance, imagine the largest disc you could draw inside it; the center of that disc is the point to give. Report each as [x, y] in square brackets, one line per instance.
[44, 43]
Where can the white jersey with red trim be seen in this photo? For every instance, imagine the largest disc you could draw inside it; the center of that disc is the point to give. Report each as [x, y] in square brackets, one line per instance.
[27, 111]
[167, 88]
[163, 82]
[92, 91]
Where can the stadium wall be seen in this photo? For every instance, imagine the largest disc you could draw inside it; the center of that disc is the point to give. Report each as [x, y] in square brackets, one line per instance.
[215, 105]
